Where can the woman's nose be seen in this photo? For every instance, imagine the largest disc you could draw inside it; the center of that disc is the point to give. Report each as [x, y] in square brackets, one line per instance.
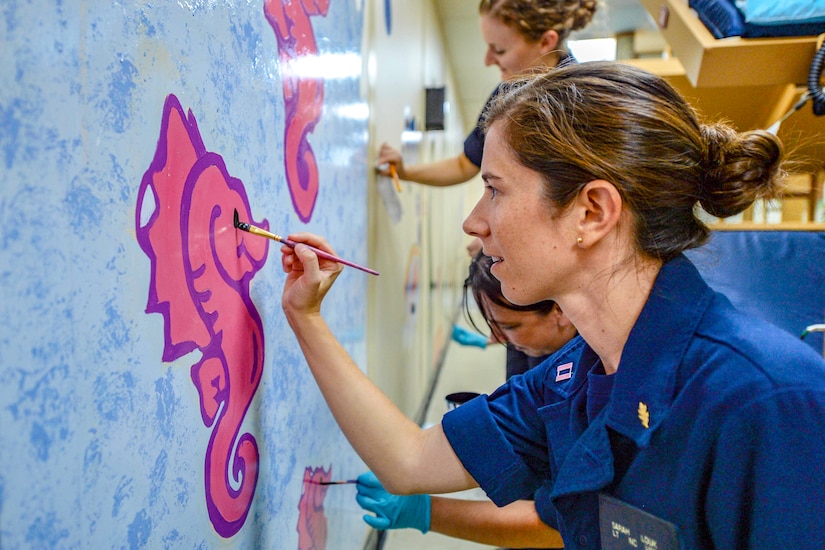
[473, 225]
[489, 58]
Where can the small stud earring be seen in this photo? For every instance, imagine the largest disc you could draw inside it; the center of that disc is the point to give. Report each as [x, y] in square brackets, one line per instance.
[579, 240]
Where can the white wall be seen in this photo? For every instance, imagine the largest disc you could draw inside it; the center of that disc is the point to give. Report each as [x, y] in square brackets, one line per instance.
[421, 257]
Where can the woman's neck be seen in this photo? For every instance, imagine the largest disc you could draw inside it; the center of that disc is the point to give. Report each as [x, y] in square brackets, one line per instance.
[551, 59]
[606, 307]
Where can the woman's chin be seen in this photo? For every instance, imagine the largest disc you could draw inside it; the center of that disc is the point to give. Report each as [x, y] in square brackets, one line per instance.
[496, 269]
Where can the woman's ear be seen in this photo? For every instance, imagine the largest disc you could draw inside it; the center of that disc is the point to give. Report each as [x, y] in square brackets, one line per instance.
[599, 207]
[548, 42]
[561, 318]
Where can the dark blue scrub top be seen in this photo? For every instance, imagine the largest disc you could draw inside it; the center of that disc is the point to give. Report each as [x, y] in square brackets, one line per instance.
[474, 142]
[716, 423]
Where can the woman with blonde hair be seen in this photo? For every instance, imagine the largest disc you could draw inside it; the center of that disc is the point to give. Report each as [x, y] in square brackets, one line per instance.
[521, 36]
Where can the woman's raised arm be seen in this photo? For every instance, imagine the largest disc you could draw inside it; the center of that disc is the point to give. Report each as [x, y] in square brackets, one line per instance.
[404, 457]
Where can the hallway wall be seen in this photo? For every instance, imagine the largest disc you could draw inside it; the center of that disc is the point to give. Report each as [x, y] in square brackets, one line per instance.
[420, 252]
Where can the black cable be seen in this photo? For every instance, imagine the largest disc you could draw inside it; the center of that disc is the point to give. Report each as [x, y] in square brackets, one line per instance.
[814, 76]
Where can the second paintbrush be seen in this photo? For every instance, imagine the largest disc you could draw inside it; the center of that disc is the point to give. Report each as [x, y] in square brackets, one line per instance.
[342, 482]
[243, 226]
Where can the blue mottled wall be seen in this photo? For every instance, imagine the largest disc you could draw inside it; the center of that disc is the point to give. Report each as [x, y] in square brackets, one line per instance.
[102, 441]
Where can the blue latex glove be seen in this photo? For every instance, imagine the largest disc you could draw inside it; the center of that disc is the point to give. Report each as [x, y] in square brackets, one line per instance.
[391, 511]
[468, 338]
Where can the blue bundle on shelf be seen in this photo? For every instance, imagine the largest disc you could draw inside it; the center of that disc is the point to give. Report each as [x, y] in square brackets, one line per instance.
[761, 18]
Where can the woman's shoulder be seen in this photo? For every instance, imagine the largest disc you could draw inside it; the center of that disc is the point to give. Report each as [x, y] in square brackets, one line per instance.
[561, 373]
[753, 355]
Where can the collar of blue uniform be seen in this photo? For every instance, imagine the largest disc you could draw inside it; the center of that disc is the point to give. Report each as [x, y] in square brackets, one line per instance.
[644, 388]
[569, 353]
[646, 375]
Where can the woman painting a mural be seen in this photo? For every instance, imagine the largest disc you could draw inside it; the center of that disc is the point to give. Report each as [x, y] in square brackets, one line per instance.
[677, 414]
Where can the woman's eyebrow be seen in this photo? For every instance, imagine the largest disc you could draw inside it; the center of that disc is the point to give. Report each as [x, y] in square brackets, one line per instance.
[489, 176]
[510, 324]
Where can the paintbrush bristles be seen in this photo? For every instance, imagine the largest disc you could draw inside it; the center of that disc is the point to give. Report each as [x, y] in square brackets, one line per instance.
[243, 226]
[239, 224]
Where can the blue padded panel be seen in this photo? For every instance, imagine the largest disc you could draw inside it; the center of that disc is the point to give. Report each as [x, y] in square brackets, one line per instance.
[776, 275]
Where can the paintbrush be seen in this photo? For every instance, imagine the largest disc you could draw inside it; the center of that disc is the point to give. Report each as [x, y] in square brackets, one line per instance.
[394, 174]
[290, 243]
[342, 482]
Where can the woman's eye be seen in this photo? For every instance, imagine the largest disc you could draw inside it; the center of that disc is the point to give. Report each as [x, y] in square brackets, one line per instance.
[492, 190]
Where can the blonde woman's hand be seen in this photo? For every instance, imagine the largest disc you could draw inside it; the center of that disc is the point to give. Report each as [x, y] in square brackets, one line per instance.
[388, 155]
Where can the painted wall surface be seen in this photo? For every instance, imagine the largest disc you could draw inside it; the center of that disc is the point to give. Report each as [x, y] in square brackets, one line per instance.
[151, 392]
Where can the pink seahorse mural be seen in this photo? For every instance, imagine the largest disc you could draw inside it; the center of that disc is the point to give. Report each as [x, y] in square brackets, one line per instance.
[303, 95]
[312, 522]
[201, 269]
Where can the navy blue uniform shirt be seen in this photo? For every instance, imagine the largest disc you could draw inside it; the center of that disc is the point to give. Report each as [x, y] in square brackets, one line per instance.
[716, 423]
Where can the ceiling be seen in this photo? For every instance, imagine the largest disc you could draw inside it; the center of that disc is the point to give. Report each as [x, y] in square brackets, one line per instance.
[475, 82]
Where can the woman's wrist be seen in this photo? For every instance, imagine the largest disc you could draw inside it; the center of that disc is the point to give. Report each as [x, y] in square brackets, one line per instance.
[301, 320]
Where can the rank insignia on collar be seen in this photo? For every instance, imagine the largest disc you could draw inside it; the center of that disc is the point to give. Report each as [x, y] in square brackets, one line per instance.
[564, 372]
[644, 415]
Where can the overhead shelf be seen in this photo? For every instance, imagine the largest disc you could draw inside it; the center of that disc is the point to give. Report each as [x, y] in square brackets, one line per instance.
[735, 61]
